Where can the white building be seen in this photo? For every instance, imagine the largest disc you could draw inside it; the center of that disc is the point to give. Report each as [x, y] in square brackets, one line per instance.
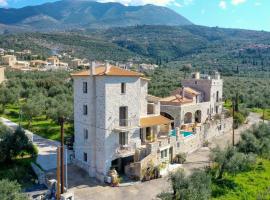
[118, 125]
[112, 118]
[199, 99]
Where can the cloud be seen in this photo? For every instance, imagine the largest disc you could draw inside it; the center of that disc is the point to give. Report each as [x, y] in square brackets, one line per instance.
[223, 5]
[257, 3]
[3, 3]
[177, 3]
[237, 2]
[142, 2]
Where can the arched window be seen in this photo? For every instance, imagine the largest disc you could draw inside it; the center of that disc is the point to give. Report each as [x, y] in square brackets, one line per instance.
[188, 118]
[198, 116]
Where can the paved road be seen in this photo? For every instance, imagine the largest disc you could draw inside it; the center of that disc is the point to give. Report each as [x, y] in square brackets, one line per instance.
[46, 148]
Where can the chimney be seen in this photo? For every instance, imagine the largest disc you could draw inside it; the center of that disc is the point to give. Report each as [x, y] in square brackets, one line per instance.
[183, 92]
[107, 67]
[93, 68]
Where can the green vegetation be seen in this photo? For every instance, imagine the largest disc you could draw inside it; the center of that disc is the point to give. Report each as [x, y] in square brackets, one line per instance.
[230, 51]
[16, 154]
[10, 190]
[260, 111]
[235, 172]
[251, 185]
[38, 100]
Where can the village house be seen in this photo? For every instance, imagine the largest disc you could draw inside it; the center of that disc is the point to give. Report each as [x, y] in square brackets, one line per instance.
[118, 125]
[53, 60]
[2, 74]
[38, 63]
[9, 60]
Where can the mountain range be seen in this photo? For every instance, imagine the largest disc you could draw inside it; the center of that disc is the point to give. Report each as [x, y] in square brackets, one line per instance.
[81, 14]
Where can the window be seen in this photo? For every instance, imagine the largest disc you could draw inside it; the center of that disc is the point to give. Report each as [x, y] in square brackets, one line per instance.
[84, 87]
[123, 116]
[123, 138]
[217, 109]
[164, 154]
[85, 134]
[85, 110]
[85, 157]
[123, 88]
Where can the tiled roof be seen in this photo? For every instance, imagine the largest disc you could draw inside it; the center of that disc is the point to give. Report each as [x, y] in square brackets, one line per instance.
[113, 71]
[153, 121]
[175, 100]
[188, 90]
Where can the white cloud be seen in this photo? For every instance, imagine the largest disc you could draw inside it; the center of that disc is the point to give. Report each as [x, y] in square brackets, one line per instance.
[258, 4]
[223, 5]
[141, 2]
[237, 2]
[178, 4]
[3, 3]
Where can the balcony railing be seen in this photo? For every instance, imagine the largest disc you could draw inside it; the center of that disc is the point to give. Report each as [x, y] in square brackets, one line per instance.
[124, 150]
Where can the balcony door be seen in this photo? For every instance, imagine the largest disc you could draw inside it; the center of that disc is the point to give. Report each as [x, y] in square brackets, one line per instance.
[123, 116]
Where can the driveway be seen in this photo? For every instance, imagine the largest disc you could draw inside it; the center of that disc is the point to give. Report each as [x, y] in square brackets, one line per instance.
[85, 188]
[46, 148]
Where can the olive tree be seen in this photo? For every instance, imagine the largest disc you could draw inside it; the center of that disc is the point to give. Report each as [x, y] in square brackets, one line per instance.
[197, 186]
[11, 190]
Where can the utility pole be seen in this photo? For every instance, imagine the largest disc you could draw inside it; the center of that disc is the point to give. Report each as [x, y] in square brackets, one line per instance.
[61, 121]
[233, 109]
[58, 173]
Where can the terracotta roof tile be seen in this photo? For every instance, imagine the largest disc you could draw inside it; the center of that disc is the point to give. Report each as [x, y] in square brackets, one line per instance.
[176, 100]
[113, 71]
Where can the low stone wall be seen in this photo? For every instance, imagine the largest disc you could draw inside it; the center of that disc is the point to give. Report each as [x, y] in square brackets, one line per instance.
[39, 173]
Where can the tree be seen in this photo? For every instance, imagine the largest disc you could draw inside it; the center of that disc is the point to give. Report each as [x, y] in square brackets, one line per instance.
[60, 107]
[14, 143]
[7, 96]
[34, 107]
[230, 161]
[186, 69]
[11, 190]
[197, 186]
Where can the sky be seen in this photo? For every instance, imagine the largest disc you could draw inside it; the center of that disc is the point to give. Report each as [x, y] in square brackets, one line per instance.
[246, 14]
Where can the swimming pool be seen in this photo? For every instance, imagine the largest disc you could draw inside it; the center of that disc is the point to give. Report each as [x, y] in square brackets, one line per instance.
[184, 133]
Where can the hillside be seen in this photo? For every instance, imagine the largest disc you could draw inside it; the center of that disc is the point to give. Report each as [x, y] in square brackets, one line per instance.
[81, 14]
[229, 50]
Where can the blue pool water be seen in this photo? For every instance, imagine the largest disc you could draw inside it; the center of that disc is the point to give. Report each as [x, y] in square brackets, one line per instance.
[184, 133]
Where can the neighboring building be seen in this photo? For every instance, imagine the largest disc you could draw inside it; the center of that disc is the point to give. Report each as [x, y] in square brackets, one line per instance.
[118, 125]
[38, 63]
[113, 117]
[54, 60]
[21, 65]
[76, 62]
[2, 74]
[9, 60]
[146, 67]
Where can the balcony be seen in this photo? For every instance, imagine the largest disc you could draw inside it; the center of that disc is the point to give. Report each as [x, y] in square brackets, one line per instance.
[125, 124]
[124, 150]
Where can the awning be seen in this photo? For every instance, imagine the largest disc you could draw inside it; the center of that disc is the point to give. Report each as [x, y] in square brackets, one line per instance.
[153, 121]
